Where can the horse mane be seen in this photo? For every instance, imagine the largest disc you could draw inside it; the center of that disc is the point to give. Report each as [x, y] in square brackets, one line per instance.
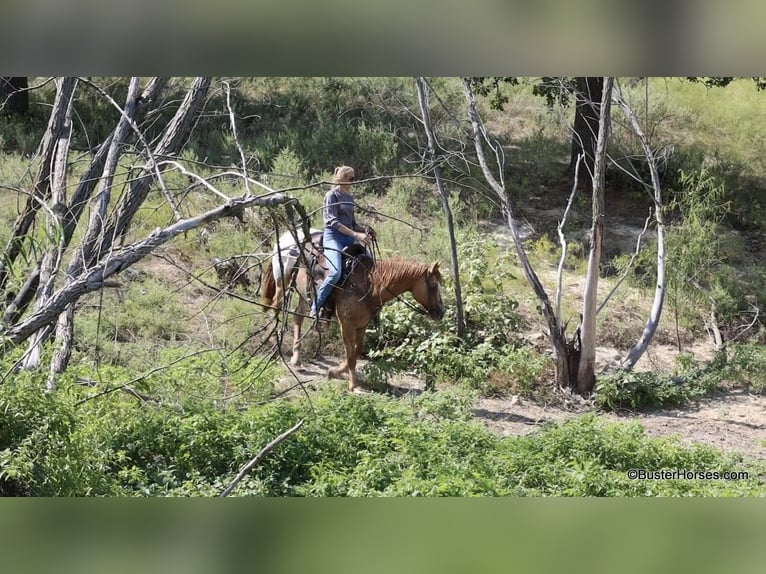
[387, 272]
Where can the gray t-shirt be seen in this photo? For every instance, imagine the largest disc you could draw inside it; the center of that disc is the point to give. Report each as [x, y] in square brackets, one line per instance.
[339, 209]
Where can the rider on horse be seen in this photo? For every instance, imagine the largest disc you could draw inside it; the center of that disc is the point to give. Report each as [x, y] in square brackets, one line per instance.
[340, 231]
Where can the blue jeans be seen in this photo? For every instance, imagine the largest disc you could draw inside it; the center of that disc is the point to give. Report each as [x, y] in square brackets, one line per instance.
[333, 244]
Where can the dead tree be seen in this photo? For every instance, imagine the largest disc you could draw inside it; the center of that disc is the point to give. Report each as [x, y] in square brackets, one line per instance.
[659, 292]
[567, 351]
[586, 371]
[434, 167]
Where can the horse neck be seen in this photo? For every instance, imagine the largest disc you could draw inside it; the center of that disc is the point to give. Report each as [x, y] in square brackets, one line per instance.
[391, 278]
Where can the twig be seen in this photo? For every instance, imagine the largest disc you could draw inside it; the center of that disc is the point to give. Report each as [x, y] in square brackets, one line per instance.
[627, 267]
[233, 121]
[744, 329]
[124, 388]
[259, 457]
[563, 240]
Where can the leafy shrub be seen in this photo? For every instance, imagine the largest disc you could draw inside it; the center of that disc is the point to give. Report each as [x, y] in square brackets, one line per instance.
[746, 366]
[46, 449]
[588, 456]
[641, 390]
[54, 444]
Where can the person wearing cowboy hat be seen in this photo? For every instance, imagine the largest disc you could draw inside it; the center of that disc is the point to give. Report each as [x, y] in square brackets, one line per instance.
[340, 230]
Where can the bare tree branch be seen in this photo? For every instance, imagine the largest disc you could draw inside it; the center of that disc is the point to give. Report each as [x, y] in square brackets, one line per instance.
[77, 203]
[41, 189]
[94, 277]
[562, 239]
[258, 458]
[51, 261]
[433, 165]
[629, 265]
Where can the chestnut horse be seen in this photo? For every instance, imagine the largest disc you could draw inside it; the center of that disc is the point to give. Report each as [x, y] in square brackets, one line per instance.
[358, 298]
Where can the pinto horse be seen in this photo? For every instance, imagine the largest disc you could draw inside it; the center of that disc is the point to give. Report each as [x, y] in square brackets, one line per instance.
[286, 255]
[358, 298]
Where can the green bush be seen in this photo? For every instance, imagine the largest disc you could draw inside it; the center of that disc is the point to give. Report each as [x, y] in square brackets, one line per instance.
[46, 448]
[54, 444]
[633, 390]
[746, 366]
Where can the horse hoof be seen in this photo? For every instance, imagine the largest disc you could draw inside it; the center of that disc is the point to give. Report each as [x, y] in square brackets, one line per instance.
[295, 362]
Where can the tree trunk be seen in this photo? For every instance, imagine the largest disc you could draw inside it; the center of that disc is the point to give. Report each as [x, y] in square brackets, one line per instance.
[100, 235]
[51, 261]
[434, 166]
[14, 97]
[93, 278]
[170, 144]
[565, 353]
[659, 292]
[586, 371]
[90, 242]
[77, 203]
[41, 188]
[588, 97]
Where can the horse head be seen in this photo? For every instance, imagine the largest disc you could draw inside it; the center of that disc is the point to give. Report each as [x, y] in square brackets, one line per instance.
[427, 292]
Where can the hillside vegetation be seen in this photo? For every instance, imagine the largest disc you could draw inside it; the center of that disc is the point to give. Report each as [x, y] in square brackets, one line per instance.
[175, 381]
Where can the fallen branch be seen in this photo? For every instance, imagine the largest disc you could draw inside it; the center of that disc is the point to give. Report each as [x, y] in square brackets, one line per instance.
[259, 457]
[94, 278]
[124, 388]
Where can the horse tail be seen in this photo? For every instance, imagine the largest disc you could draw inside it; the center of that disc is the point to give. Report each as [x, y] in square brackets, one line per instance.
[268, 285]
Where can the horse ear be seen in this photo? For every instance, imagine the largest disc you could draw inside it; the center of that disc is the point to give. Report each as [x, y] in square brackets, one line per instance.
[434, 269]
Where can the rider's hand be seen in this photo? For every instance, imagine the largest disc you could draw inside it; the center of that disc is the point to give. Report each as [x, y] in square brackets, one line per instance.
[362, 238]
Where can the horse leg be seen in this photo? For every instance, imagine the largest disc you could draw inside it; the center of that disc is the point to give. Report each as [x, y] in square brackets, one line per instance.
[353, 356]
[295, 360]
[348, 343]
[276, 302]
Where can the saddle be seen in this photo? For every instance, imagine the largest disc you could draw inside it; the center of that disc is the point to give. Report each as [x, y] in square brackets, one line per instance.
[353, 255]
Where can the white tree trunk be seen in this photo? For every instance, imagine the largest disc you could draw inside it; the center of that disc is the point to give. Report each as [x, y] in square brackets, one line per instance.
[564, 352]
[659, 292]
[93, 278]
[56, 181]
[586, 371]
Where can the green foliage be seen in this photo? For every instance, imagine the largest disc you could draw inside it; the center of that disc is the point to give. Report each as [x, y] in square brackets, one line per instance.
[706, 265]
[45, 448]
[287, 170]
[588, 456]
[635, 391]
[325, 121]
[412, 196]
[348, 446]
[746, 366]
[145, 314]
[21, 135]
